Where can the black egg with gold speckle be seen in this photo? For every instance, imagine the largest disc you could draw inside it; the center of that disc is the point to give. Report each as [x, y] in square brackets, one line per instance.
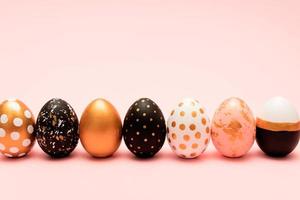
[144, 128]
[57, 128]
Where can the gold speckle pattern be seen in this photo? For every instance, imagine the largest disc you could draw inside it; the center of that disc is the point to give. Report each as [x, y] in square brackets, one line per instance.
[233, 128]
[57, 128]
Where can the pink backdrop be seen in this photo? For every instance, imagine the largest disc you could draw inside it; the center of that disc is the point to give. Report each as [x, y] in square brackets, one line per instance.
[164, 50]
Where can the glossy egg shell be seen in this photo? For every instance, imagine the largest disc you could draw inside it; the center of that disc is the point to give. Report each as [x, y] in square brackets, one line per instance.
[57, 128]
[100, 128]
[233, 128]
[188, 129]
[16, 128]
[278, 127]
[144, 128]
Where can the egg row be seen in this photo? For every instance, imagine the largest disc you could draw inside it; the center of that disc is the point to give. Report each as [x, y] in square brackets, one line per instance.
[233, 129]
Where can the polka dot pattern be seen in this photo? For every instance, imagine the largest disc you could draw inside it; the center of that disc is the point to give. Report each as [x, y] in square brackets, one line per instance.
[15, 135]
[2, 147]
[30, 129]
[15, 118]
[3, 119]
[8, 155]
[188, 129]
[14, 150]
[2, 132]
[26, 142]
[17, 122]
[144, 128]
[21, 155]
[27, 114]
[57, 128]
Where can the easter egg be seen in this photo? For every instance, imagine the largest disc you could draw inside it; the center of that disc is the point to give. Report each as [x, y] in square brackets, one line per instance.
[100, 128]
[188, 129]
[144, 128]
[278, 127]
[233, 128]
[16, 128]
[57, 128]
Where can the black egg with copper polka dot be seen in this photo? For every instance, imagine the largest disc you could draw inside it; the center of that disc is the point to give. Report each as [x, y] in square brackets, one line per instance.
[57, 128]
[144, 128]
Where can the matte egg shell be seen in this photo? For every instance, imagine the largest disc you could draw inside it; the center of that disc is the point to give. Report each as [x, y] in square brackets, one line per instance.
[188, 129]
[16, 128]
[100, 128]
[278, 127]
[57, 128]
[144, 128]
[233, 128]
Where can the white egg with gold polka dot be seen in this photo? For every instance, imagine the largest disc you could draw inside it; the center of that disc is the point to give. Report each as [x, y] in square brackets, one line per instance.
[16, 129]
[188, 129]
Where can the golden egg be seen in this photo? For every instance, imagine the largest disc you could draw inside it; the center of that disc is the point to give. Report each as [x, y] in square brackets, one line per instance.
[100, 128]
[16, 128]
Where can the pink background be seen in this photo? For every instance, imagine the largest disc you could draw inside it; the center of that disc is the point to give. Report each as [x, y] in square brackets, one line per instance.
[164, 50]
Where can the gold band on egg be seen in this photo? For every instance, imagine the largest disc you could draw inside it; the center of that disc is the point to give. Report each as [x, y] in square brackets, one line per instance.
[275, 126]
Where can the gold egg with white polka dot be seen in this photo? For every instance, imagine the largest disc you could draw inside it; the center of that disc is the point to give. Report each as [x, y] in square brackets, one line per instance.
[17, 134]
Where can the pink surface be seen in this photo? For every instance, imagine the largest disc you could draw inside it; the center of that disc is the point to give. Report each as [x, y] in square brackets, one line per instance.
[165, 50]
[233, 128]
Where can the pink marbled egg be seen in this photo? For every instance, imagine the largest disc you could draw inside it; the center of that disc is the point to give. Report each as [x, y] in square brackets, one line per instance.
[233, 128]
